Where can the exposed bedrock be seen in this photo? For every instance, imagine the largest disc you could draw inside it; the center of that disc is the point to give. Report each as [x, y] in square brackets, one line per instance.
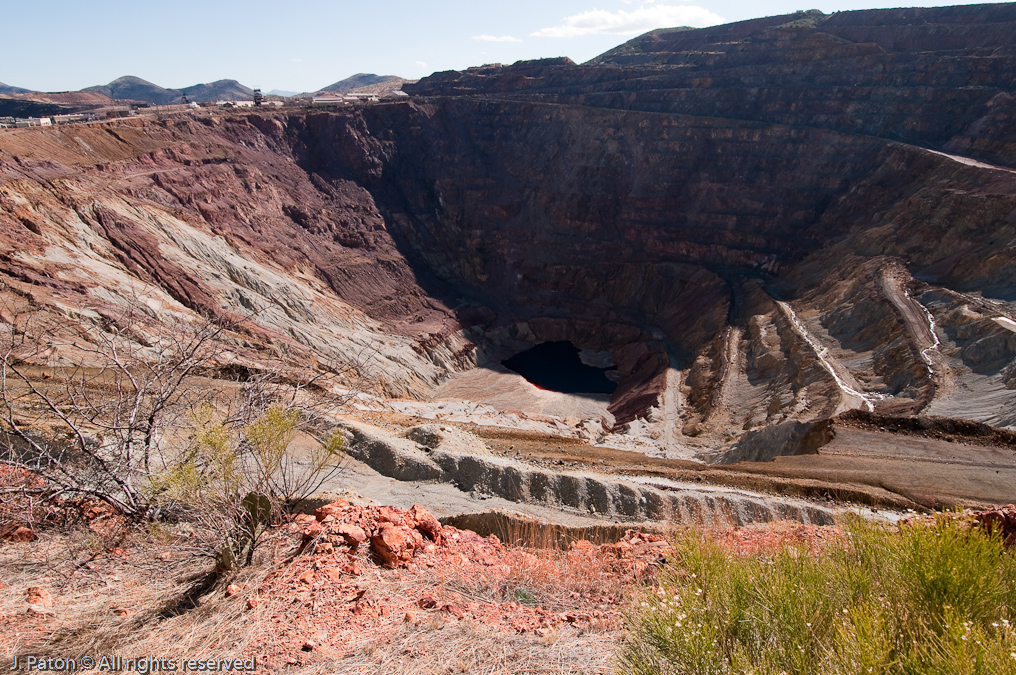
[424, 454]
[635, 233]
[921, 75]
[762, 223]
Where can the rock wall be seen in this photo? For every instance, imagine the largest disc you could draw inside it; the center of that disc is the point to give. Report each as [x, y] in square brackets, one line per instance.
[712, 207]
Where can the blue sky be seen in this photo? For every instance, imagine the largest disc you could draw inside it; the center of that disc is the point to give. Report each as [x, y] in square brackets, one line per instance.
[303, 45]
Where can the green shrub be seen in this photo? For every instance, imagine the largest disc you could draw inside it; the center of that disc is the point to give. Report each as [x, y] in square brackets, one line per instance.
[923, 599]
[236, 481]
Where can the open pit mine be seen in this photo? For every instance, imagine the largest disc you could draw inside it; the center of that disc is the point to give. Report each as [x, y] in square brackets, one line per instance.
[760, 271]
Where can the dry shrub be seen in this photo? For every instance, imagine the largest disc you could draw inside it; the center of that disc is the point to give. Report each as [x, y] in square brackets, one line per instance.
[23, 502]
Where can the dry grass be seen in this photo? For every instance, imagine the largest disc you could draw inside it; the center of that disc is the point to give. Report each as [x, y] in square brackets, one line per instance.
[133, 593]
[547, 578]
[553, 566]
[143, 596]
[471, 647]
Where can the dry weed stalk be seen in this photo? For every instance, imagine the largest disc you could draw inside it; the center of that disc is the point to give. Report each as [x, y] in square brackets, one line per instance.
[134, 420]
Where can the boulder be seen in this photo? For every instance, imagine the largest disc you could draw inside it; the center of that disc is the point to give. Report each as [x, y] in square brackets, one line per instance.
[395, 544]
[20, 535]
[334, 509]
[37, 595]
[1001, 519]
[425, 522]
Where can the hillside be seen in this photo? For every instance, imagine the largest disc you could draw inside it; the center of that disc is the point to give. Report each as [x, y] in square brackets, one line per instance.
[784, 242]
[135, 89]
[7, 89]
[366, 82]
[220, 90]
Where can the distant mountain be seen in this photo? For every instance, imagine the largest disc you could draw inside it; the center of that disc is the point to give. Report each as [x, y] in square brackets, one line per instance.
[382, 88]
[282, 92]
[136, 89]
[8, 89]
[220, 90]
[361, 80]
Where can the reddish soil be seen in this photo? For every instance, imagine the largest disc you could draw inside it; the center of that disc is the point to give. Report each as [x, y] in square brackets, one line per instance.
[353, 590]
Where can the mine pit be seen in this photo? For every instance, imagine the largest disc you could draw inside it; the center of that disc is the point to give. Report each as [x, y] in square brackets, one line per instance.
[290, 366]
[559, 366]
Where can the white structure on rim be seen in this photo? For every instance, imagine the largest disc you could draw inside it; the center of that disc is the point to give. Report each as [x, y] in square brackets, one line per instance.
[33, 122]
[328, 99]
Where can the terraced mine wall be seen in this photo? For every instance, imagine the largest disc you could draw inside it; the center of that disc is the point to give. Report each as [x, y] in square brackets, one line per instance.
[407, 459]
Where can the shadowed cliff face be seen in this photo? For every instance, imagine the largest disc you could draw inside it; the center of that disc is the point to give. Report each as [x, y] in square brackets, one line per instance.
[769, 221]
[636, 233]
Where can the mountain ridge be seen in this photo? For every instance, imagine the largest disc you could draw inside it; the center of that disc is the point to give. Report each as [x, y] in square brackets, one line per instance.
[362, 80]
[130, 87]
[8, 89]
[133, 88]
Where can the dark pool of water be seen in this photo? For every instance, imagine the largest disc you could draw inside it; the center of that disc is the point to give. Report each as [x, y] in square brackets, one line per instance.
[556, 366]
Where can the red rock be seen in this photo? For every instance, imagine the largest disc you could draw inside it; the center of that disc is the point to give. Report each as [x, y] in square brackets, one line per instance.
[395, 544]
[232, 590]
[37, 595]
[331, 574]
[308, 646]
[20, 535]
[425, 522]
[411, 618]
[427, 602]
[353, 535]
[390, 514]
[1001, 519]
[252, 602]
[120, 611]
[307, 577]
[353, 569]
[454, 610]
[334, 509]
[312, 531]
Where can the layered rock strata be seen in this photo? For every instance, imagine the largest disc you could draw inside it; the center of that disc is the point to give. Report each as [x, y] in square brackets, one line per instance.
[766, 222]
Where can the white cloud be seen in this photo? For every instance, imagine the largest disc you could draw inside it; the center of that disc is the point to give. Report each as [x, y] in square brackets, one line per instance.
[645, 18]
[421, 64]
[494, 38]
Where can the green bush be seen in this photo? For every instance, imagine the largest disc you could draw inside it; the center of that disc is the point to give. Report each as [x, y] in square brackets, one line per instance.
[234, 482]
[923, 599]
